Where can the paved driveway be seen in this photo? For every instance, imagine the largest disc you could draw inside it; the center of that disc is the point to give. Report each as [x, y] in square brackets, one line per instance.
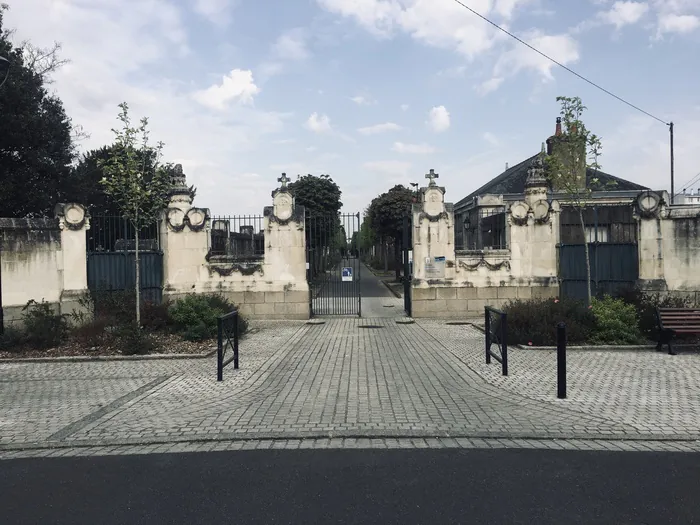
[350, 378]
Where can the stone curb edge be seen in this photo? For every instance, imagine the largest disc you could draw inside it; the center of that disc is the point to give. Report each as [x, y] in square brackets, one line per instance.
[268, 436]
[88, 359]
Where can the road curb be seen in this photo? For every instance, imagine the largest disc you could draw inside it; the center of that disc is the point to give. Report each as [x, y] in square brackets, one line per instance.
[271, 436]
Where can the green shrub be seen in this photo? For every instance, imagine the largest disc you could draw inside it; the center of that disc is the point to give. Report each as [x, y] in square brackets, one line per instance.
[117, 306]
[155, 316]
[134, 340]
[12, 339]
[535, 321]
[44, 329]
[92, 333]
[195, 316]
[616, 322]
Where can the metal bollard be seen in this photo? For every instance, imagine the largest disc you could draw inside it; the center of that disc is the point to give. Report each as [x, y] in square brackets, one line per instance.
[561, 361]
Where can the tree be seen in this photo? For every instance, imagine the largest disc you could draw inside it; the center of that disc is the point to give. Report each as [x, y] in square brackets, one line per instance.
[138, 187]
[36, 150]
[319, 195]
[85, 184]
[386, 215]
[574, 151]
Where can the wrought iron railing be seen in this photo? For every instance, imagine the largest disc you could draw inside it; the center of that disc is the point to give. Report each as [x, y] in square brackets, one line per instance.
[239, 238]
[227, 339]
[496, 329]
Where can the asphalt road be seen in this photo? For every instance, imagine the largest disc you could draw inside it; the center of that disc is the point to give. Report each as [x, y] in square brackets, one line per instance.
[355, 486]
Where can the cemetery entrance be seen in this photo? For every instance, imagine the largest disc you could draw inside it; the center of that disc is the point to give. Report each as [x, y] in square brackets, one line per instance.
[333, 264]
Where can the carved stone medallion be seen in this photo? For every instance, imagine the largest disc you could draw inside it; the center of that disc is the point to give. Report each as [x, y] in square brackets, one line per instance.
[283, 205]
[433, 204]
[518, 212]
[540, 210]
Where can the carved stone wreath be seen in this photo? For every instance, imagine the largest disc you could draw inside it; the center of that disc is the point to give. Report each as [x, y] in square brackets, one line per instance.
[71, 216]
[297, 216]
[648, 205]
[519, 213]
[483, 262]
[434, 218]
[540, 211]
[195, 218]
[243, 270]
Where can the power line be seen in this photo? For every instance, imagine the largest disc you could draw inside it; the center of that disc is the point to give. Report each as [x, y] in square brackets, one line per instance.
[693, 181]
[562, 65]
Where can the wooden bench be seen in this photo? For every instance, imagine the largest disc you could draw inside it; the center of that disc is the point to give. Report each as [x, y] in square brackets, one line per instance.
[674, 321]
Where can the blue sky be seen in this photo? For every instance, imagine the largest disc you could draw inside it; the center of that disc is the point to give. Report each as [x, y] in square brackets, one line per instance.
[373, 92]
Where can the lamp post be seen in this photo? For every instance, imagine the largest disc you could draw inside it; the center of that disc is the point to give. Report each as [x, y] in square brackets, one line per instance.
[4, 67]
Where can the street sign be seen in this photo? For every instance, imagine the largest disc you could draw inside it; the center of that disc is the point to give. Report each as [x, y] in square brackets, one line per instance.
[347, 275]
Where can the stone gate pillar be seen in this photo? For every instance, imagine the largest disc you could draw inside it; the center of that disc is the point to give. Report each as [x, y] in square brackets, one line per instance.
[433, 253]
[285, 257]
[73, 221]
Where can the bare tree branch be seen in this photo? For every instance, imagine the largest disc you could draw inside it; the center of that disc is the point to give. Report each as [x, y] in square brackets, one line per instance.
[43, 60]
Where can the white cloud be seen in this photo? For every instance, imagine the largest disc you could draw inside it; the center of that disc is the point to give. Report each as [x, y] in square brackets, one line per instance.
[419, 149]
[120, 51]
[361, 100]
[490, 138]
[439, 119]
[379, 128]
[388, 167]
[319, 123]
[237, 86]
[673, 23]
[216, 11]
[562, 48]
[624, 13]
[404, 107]
[490, 85]
[443, 24]
[292, 45]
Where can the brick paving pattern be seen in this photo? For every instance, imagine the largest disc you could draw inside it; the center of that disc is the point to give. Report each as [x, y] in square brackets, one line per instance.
[347, 384]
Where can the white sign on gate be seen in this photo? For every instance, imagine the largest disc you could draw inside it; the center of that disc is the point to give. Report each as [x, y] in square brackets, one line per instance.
[347, 275]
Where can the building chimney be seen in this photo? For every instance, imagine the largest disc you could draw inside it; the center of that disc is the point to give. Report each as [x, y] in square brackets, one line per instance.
[557, 133]
[506, 166]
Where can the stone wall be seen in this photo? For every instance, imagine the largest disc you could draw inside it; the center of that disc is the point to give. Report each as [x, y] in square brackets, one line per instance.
[669, 245]
[465, 282]
[273, 287]
[44, 259]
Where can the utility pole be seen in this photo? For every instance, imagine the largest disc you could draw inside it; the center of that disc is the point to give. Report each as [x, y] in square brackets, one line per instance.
[673, 168]
[4, 65]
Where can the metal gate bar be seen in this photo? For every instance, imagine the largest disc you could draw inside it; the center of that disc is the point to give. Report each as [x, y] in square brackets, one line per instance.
[334, 270]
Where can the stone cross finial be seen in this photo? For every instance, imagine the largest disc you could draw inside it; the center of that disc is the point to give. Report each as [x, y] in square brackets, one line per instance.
[284, 180]
[432, 176]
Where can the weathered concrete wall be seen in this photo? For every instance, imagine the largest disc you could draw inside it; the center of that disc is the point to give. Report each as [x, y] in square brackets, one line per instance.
[44, 259]
[273, 287]
[669, 245]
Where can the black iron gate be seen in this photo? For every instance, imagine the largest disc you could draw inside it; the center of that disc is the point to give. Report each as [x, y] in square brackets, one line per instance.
[407, 266]
[611, 234]
[333, 264]
[111, 258]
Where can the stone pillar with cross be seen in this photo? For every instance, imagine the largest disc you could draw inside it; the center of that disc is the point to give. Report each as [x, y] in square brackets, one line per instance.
[285, 257]
[433, 251]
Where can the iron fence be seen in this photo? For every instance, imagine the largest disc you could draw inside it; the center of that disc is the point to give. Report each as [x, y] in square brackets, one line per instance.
[227, 339]
[481, 229]
[496, 329]
[111, 258]
[239, 237]
[112, 233]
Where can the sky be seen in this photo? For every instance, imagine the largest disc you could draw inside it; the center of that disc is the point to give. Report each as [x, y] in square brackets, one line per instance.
[374, 92]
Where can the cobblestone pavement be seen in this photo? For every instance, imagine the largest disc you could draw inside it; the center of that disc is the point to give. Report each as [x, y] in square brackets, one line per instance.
[348, 383]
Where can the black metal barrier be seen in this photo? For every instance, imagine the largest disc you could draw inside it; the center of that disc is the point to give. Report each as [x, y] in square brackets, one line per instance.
[227, 332]
[561, 361]
[496, 329]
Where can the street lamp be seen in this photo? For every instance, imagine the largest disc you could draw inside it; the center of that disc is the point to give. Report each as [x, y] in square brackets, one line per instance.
[4, 66]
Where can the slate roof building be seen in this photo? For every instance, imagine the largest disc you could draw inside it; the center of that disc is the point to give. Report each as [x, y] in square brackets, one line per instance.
[481, 217]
